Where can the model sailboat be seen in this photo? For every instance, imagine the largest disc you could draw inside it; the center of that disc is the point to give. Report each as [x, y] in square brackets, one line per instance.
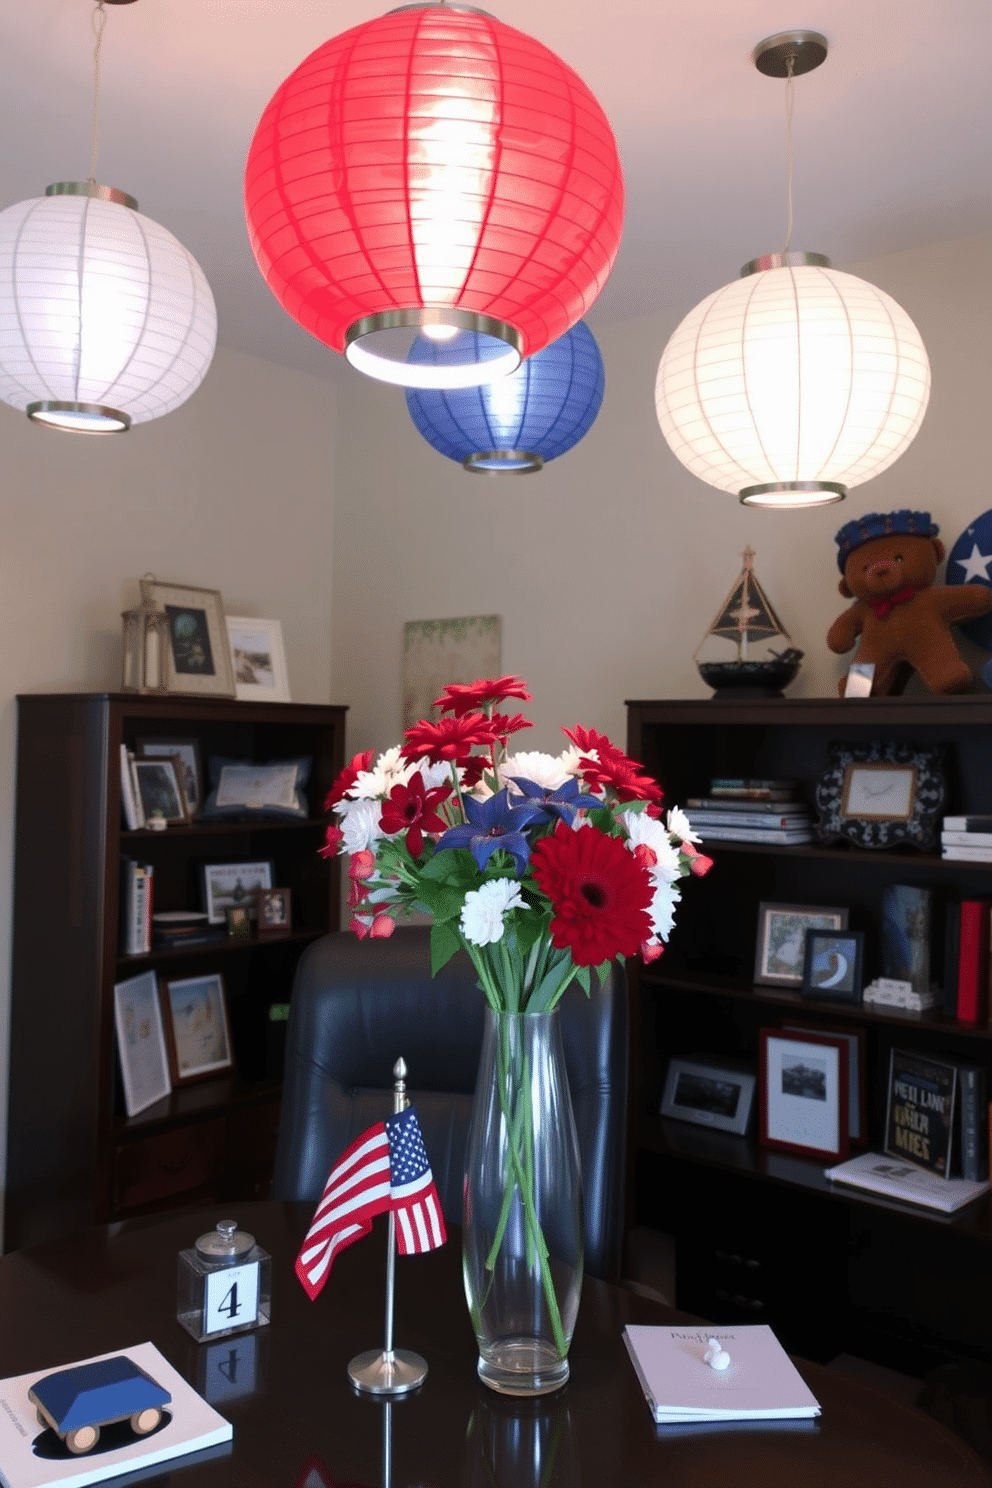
[747, 619]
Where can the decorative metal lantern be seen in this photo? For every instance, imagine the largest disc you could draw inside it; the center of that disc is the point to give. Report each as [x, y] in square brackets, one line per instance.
[146, 645]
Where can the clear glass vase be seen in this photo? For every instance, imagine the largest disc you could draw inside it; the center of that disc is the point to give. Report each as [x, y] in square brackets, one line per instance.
[522, 1232]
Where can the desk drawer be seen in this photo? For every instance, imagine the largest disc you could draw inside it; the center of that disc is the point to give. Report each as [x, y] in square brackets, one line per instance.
[175, 1162]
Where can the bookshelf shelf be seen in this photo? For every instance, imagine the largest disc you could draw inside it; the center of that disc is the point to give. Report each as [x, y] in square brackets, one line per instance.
[763, 1235]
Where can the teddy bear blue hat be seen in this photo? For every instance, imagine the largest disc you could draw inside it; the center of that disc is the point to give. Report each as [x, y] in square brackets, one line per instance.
[881, 524]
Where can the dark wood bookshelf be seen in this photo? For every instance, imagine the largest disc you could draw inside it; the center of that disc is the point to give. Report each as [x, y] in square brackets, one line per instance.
[762, 1235]
[74, 1158]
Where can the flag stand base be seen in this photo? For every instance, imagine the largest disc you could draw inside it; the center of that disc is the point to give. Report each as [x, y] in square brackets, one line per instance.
[379, 1372]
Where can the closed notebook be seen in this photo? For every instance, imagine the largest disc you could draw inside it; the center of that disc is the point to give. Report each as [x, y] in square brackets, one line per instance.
[761, 1382]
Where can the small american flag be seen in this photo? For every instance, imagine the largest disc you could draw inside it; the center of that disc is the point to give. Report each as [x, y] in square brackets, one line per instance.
[385, 1168]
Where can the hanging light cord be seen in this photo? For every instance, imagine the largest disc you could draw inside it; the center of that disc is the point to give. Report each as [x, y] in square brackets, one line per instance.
[789, 101]
[98, 21]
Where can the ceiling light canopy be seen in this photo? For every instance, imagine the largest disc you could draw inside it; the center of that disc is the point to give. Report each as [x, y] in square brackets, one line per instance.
[105, 319]
[522, 421]
[797, 381]
[434, 169]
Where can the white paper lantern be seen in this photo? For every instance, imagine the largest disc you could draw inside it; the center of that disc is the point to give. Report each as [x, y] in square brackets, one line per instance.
[105, 319]
[792, 384]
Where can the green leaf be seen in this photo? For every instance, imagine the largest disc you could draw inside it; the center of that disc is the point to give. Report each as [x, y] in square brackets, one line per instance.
[444, 944]
[582, 976]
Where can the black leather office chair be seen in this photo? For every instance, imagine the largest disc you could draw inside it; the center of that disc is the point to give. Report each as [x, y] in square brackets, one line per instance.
[357, 1006]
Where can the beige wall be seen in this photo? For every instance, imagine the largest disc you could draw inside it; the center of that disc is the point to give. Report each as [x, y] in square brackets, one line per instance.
[608, 565]
[233, 491]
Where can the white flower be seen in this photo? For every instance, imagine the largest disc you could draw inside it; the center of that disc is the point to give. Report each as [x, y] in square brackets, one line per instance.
[648, 831]
[434, 775]
[570, 757]
[360, 824]
[482, 913]
[680, 826]
[662, 909]
[544, 770]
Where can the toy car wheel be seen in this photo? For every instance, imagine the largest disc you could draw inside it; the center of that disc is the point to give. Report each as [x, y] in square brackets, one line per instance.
[83, 1439]
[146, 1420]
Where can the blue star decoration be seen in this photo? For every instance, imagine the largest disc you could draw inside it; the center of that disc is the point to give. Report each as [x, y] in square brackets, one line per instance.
[970, 562]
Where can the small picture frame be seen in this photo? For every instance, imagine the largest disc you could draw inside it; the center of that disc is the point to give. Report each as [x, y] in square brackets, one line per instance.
[833, 966]
[258, 659]
[882, 794]
[273, 911]
[781, 949]
[238, 920]
[199, 1033]
[803, 1088]
[857, 1093]
[141, 1045]
[229, 884]
[709, 1092]
[158, 786]
[878, 791]
[198, 655]
[187, 752]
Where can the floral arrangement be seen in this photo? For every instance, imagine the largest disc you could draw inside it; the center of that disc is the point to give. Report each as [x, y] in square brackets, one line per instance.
[542, 867]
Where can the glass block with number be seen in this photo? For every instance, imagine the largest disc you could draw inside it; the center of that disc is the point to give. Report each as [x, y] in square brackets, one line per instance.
[225, 1283]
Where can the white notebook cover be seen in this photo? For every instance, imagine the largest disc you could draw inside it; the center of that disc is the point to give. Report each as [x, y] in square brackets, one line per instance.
[194, 1426]
[761, 1383]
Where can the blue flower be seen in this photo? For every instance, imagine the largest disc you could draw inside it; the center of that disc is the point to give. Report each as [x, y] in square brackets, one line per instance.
[561, 803]
[493, 825]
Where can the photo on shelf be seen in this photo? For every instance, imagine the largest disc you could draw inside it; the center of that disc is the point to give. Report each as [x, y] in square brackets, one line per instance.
[141, 1043]
[228, 884]
[199, 1035]
[199, 653]
[273, 911]
[833, 965]
[158, 786]
[879, 794]
[258, 659]
[187, 751]
[857, 1098]
[803, 1092]
[709, 1092]
[780, 955]
[238, 920]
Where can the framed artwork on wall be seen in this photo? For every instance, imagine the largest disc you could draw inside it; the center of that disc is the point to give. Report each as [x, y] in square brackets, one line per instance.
[198, 657]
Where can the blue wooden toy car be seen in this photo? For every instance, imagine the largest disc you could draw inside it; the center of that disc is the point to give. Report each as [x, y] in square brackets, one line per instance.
[77, 1402]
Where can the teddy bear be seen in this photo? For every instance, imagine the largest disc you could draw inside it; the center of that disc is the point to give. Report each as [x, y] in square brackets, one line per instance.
[888, 562]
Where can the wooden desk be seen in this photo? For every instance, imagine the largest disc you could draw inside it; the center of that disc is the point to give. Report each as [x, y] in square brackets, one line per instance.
[297, 1423]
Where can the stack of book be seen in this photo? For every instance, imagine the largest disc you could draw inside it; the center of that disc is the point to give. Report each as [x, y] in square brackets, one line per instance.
[742, 810]
[174, 929]
[967, 839]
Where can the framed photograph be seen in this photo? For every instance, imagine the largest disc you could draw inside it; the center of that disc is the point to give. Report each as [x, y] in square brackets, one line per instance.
[259, 787]
[882, 794]
[919, 1113]
[199, 1036]
[258, 659]
[833, 965]
[439, 652]
[141, 1045]
[228, 884]
[238, 920]
[857, 1096]
[198, 655]
[158, 786]
[804, 1101]
[781, 950]
[273, 909]
[906, 918]
[709, 1092]
[187, 752]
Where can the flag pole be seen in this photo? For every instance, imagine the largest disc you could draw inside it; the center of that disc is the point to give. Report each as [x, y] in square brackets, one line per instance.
[389, 1371]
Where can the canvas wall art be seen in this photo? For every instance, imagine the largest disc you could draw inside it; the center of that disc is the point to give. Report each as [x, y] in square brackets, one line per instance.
[438, 652]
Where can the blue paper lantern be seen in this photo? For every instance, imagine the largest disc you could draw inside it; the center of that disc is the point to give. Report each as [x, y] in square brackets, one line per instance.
[517, 423]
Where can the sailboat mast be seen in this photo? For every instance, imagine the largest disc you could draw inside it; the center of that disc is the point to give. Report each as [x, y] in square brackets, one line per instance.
[748, 557]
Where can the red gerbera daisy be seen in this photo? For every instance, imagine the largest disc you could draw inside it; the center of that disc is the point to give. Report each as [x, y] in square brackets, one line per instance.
[448, 739]
[460, 697]
[412, 807]
[348, 777]
[502, 725]
[612, 770]
[599, 894]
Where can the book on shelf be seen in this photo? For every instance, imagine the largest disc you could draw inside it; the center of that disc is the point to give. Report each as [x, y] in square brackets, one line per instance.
[31, 1455]
[919, 1115]
[792, 805]
[781, 791]
[783, 821]
[953, 851]
[967, 824]
[789, 837]
[760, 1383]
[176, 928]
[895, 1179]
[952, 946]
[973, 961]
[973, 1106]
[134, 815]
[137, 881]
[906, 935]
[966, 839]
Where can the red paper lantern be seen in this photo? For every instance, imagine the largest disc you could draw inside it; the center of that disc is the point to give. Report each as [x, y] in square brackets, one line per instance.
[434, 169]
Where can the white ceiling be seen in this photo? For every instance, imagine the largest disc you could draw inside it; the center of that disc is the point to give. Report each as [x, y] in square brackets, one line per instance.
[892, 135]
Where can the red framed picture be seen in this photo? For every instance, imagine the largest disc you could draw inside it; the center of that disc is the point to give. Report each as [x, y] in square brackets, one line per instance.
[803, 1090]
[857, 1083]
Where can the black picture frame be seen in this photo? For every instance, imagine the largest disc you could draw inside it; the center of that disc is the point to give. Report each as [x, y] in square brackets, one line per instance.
[833, 966]
[881, 794]
[780, 945]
